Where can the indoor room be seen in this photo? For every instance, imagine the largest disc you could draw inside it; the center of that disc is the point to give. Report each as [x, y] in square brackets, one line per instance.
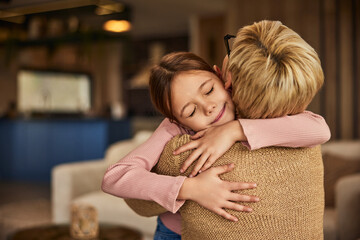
[75, 99]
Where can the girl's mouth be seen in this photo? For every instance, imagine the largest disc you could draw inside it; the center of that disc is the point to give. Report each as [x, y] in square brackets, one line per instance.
[221, 113]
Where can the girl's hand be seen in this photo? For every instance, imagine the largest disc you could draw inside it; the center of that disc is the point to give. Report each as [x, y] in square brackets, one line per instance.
[210, 144]
[208, 190]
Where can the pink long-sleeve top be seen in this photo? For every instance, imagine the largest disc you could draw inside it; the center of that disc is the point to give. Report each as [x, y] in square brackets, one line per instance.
[130, 177]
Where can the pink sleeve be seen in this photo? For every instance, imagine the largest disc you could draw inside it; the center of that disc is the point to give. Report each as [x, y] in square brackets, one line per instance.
[131, 177]
[306, 129]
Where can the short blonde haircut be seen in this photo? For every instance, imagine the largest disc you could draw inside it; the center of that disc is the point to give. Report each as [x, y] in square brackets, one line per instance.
[274, 71]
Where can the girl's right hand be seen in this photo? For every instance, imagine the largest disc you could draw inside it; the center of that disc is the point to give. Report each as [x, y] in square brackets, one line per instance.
[208, 190]
[210, 144]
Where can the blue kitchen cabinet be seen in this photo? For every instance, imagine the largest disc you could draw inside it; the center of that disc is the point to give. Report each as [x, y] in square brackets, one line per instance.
[29, 149]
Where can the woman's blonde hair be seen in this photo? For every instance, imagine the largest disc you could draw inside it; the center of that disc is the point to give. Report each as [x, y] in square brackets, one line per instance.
[274, 71]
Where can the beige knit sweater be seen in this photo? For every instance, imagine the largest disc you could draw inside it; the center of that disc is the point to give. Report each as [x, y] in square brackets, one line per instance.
[289, 184]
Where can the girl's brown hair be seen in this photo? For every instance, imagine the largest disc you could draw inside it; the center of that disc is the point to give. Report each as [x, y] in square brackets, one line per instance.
[162, 74]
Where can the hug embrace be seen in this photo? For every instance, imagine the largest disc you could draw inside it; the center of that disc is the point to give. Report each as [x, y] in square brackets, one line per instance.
[237, 156]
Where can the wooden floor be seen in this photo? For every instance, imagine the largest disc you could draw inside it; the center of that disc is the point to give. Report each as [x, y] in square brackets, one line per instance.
[19, 191]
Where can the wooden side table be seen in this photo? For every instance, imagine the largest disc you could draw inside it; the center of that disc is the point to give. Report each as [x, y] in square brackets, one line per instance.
[62, 232]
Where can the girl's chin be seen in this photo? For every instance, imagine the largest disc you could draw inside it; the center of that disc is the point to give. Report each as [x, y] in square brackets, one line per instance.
[227, 119]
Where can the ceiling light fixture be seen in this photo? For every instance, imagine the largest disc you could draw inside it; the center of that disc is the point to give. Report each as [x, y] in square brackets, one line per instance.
[117, 26]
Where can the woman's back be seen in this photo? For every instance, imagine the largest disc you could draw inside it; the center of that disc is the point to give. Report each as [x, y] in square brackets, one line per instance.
[289, 184]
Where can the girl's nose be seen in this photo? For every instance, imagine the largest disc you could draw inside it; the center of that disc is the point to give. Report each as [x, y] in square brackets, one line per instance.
[209, 108]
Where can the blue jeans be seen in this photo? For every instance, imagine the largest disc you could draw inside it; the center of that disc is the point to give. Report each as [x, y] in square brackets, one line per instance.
[163, 233]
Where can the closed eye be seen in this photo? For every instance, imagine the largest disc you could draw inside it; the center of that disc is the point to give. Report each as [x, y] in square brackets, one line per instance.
[212, 88]
[193, 112]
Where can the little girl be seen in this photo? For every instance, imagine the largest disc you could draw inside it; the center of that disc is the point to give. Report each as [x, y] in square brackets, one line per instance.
[192, 97]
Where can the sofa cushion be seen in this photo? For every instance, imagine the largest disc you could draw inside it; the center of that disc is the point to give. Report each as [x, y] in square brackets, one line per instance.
[330, 230]
[341, 158]
[336, 167]
[349, 149]
[112, 209]
[120, 149]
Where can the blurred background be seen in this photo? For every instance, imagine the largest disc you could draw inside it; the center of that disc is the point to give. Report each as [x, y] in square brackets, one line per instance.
[110, 45]
[73, 73]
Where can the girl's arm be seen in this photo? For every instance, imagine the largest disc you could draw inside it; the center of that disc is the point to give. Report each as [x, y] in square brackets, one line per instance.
[301, 130]
[198, 189]
[131, 178]
[306, 129]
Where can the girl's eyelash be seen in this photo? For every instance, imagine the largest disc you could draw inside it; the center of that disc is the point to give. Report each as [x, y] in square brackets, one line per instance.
[212, 88]
[210, 91]
[193, 112]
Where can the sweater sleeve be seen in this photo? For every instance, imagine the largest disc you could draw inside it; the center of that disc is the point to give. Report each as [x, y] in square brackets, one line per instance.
[306, 129]
[130, 177]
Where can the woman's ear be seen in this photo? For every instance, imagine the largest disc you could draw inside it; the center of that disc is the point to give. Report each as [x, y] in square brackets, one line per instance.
[226, 76]
[227, 80]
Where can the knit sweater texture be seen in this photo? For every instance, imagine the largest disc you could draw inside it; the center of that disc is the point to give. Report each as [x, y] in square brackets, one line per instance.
[289, 184]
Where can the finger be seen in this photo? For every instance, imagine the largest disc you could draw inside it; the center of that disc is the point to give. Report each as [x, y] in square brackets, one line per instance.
[223, 169]
[199, 164]
[186, 147]
[237, 207]
[226, 215]
[209, 162]
[193, 156]
[243, 198]
[241, 185]
[198, 135]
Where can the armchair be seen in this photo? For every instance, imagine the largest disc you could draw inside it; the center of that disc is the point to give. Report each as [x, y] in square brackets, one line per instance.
[80, 182]
[342, 190]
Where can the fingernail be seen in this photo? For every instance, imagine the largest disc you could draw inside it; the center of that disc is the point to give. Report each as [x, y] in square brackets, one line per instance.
[190, 175]
[200, 171]
[248, 209]
[257, 199]
[182, 170]
[235, 220]
[174, 152]
[254, 185]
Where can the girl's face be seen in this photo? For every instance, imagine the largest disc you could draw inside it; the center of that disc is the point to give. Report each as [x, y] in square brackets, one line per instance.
[199, 100]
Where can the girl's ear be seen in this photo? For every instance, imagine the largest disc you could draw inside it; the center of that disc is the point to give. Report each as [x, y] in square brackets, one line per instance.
[225, 78]
[218, 71]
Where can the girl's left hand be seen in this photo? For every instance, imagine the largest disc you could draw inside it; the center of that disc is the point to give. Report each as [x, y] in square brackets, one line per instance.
[210, 144]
